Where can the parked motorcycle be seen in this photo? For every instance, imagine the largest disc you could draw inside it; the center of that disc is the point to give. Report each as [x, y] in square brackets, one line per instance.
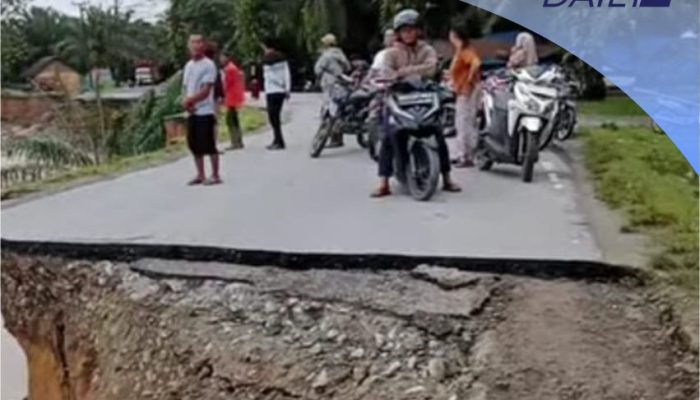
[563, 122]
[447, 118]
[515, 114]
[566, 116]
[413, 112]
[345, 113]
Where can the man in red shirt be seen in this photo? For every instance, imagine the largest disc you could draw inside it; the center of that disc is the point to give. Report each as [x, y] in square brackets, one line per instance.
[234, 91]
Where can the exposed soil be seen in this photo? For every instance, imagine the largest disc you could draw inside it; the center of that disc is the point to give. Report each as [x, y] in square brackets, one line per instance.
[620, 247]
[181, 330]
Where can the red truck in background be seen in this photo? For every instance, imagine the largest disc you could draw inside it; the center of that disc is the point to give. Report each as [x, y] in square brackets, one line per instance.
[146, 73]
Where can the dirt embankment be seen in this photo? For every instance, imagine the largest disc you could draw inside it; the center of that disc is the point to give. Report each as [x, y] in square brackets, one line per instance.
[168, 330]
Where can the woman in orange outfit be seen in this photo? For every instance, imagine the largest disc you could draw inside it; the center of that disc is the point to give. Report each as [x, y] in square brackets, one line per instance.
[465, 75]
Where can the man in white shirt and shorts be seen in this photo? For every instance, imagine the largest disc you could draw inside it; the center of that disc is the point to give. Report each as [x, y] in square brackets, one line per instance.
[198, 101]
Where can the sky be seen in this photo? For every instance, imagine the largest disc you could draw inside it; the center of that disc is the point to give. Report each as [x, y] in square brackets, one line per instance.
[145, 9]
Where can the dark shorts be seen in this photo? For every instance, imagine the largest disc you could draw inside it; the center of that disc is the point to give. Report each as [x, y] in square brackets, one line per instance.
[201, 135]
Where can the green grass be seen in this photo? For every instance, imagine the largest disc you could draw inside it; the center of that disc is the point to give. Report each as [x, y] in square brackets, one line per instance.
[620, 106]
[112, 168]
[644, 174]
[251, 120]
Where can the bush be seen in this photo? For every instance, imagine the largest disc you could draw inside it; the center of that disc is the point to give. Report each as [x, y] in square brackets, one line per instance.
[141, 130]
[592, 81]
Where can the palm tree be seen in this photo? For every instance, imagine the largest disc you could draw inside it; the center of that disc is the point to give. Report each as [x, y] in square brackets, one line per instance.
[216, 19]
[42, 29]
[98, 39]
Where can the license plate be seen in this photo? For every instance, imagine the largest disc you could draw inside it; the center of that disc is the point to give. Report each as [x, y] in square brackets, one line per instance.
[415, 99]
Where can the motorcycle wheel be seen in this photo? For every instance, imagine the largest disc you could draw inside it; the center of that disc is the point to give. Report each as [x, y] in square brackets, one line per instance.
[362, 140]
[546, 140]
[483, 161]
[423, 172]
[531, 154]
[481, 157]
[566, 125]
[321, 138]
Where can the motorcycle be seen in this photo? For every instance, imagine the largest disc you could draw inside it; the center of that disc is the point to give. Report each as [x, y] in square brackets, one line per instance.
[447, 118]
[563, 118]
[566, 116]
[413, 112]
[562, 124]
[516, 112]
[345, 113]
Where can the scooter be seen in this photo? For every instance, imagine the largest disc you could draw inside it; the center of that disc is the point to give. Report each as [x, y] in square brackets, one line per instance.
[515, 113]
[447, 117]
[413, 111]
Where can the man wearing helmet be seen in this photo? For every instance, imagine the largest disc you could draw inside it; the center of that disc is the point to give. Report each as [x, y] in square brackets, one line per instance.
[409, 58]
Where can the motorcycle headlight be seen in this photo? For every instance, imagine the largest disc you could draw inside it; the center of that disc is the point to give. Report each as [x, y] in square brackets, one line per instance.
[524, 96]
[532, 105]
[397, 111]
[532, 124]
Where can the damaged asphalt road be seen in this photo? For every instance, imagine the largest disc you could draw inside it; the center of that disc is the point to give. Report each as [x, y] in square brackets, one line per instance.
[159, 329]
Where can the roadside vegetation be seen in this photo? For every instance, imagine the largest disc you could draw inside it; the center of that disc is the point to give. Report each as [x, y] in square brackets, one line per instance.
[252, 119]
[643, 173]
[617, 106]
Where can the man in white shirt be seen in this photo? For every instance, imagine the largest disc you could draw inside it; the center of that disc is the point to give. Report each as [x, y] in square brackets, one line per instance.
[198, 101]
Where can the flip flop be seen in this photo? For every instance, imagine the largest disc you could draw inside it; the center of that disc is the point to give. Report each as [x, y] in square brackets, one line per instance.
[465, 164]
[381, 192]
[195, 181]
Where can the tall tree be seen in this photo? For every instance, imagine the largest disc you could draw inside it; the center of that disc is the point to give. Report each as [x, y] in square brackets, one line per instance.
[42, 29]
[251, 16]
[13, 49]
[98, 39]
[213, 18]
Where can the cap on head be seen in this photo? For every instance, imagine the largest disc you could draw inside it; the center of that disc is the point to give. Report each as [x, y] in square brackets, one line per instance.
[329, 40]
[408, 17]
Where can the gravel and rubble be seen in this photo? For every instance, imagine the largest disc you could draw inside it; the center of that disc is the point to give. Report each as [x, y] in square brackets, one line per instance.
[157, 329]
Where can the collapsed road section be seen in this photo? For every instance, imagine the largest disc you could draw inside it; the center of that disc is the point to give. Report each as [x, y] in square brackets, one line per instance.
[167, 329]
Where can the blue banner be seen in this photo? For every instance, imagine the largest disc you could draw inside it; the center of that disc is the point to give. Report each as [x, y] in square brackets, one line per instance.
[648, 48]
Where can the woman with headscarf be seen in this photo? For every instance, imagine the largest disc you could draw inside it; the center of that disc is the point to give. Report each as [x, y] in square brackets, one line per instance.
[524, 53]
[330, 64]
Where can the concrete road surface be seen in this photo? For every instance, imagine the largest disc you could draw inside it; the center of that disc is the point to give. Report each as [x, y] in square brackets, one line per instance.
[288, 201]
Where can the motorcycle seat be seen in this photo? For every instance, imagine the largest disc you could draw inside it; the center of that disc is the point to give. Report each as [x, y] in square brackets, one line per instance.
[360, 95]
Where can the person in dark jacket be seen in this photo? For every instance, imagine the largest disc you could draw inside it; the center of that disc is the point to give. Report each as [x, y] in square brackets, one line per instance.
[210, 52]
[278, 85]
